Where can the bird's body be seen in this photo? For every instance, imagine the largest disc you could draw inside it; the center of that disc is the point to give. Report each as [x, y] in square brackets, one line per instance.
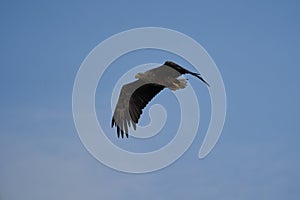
[136, 95]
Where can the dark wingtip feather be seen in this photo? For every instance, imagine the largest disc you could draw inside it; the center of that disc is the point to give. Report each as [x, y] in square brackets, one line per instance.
[199, 76]
[122, 133]
[118, 131]
[112, 122]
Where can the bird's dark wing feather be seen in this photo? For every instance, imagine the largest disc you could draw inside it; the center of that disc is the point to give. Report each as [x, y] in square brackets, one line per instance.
[141, 97]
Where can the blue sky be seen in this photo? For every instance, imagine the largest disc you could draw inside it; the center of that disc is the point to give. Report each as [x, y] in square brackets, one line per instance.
[255, 45]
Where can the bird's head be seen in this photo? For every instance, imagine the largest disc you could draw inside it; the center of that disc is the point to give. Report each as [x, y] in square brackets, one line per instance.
[139, 76]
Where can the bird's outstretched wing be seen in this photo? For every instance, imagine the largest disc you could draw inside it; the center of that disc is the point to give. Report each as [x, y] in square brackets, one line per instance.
[132, 100]
[182, 70]
[171, 69]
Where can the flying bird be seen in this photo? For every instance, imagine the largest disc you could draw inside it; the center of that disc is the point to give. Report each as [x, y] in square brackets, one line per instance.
[136, 95]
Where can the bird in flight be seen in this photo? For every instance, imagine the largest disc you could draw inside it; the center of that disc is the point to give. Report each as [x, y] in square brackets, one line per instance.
[136, 95]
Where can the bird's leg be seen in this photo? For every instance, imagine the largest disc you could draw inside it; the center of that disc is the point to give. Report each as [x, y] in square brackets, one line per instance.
[182, 83]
